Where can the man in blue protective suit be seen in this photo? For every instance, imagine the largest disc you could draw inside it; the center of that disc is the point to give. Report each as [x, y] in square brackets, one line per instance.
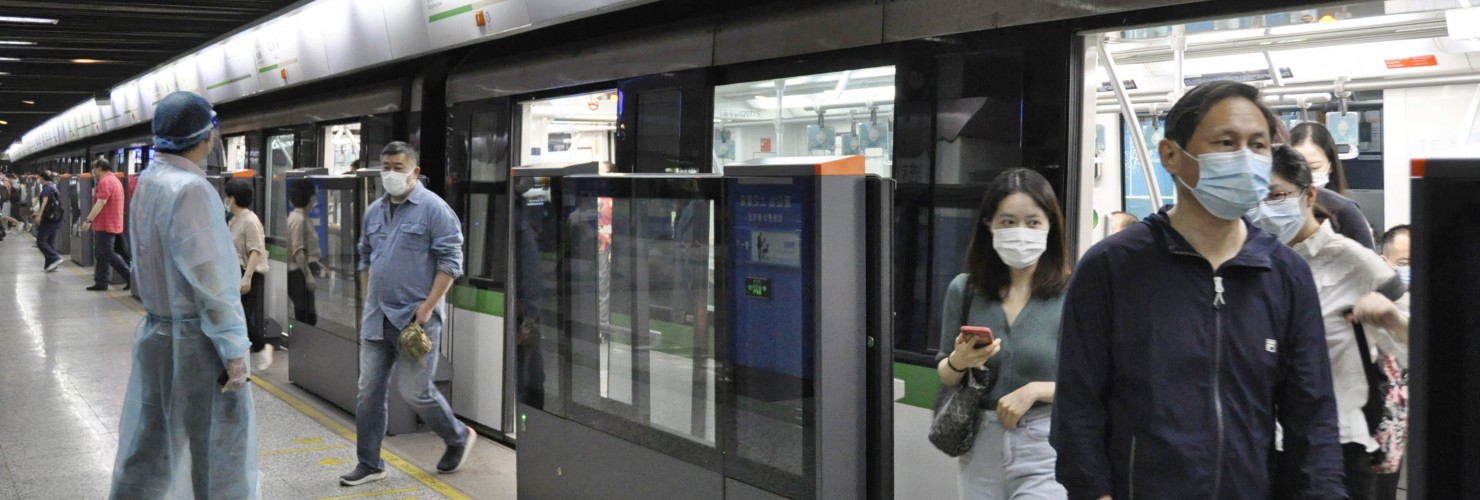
[1187, 336]
[187, 429]
[410, 252]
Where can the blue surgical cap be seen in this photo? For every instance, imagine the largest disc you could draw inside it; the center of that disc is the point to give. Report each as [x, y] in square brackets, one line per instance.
[182, 119]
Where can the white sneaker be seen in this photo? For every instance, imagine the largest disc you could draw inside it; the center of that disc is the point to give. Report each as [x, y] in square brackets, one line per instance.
[54, 265]
[264, 358]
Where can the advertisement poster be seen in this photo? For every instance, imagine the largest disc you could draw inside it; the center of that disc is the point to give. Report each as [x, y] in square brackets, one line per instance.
[768, 276]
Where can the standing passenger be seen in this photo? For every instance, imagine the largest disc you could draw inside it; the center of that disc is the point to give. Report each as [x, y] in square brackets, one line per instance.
[1315, 143]
[48, 219]
[1187, 336]
[1120, 220]
[187, 429]
[251, 252]
[410, 252]
[1396, 251]
[106, 221]
[1348, 280]
[1016, 271]
[303, 252]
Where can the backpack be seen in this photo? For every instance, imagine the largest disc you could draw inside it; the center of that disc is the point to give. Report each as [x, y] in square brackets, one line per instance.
[53, 212]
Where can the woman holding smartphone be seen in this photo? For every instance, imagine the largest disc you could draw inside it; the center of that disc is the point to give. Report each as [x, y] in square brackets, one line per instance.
[1016, 272]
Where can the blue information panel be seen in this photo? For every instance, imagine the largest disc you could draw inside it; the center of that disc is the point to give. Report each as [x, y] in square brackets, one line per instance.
[771, 303]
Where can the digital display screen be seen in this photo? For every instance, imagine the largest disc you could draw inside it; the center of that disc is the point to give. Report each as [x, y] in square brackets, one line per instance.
[758, 288]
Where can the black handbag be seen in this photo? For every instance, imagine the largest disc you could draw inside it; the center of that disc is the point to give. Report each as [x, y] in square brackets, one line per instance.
[957, 410]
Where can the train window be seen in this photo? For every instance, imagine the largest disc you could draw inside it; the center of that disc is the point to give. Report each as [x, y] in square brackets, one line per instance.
[236, 153]
[658, 131]
[839, 113]
[1138, 200]
[484, 192]
[571, 129]
[279, 161]
[341, 146]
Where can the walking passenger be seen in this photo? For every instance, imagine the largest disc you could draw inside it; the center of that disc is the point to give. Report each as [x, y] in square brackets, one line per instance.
[1188, 336]
[106, 221]
[251, 254]
[1333, 201]
[1392, 435]
[48, 220]
[1016, 271]
[1350, 280]
[188, 427]
[410, 252]
[303, 252]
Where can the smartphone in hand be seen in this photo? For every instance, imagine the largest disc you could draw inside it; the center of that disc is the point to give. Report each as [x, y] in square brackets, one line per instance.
[983, 335]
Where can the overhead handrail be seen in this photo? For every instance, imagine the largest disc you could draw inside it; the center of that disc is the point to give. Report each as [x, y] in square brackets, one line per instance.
[1138, 140]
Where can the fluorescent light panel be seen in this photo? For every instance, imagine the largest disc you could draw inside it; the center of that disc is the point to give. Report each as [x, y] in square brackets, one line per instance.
[31, 20]
[16, 42]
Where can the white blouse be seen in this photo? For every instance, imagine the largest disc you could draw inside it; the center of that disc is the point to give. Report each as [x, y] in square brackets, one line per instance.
[1344, 272]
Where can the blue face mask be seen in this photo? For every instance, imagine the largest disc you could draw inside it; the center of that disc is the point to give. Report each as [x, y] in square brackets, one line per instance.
[1230, 184]
[1283, 219]
[1405, 273]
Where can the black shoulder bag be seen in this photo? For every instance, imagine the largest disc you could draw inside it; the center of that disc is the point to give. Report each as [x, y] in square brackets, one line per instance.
[957, 410]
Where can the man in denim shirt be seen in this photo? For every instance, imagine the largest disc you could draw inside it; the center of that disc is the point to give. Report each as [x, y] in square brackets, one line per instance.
[410, 251]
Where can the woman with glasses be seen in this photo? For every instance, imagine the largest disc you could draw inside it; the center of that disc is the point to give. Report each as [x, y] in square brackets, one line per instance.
[1354, 286]
[1015, 274]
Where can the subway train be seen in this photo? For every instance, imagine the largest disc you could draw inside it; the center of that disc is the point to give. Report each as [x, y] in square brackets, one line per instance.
[673, 109]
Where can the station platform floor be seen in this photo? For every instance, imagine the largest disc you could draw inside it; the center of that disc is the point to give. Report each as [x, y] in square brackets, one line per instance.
[64, 367]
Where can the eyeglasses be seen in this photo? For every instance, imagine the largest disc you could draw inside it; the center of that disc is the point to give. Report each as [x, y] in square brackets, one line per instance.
[1278, 197]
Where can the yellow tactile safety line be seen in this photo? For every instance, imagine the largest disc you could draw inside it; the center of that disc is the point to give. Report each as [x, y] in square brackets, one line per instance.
[371, 494]
[391, 458]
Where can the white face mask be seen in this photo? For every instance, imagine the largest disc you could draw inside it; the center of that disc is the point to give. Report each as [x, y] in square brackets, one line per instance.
[1019, 247]
[1320, 179]
[395, 183]
[1283, 219]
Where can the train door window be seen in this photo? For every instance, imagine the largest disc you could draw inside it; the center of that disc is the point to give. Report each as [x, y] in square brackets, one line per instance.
[236, 153]
[571, 129]
[839, 113]
[341, 146]
[1137, 201]
[280, 149]
[487, 197]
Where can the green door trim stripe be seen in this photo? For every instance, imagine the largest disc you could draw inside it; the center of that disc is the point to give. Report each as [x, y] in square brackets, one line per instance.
[450, 13]
[920, 384]
[476, 299]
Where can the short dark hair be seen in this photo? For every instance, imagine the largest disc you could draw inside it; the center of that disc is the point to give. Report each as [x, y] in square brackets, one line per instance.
[1290, 164]
[102, 164]
[1188, 113]
[240, 191]
[354, 165]
[1315, 133]
[301, 193]
[1393, 232]
[400, 147]
[985, 268]
[47, 176]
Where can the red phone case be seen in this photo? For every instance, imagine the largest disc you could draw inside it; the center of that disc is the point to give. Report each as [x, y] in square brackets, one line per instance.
[980, 331]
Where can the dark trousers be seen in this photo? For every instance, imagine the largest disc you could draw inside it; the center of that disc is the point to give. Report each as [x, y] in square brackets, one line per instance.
[1360, 480]
[104, 256]
[1359, 475]
[46, 240]
[303, 300]
[1387, 486]
[252, 305]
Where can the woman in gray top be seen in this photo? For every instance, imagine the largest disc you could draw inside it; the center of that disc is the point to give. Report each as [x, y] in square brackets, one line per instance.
[1016, 272]
[1333, 201]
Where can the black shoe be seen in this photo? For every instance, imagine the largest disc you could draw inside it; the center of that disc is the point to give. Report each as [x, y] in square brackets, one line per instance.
[455, 456]
[127, 285]
[361, 475]
[98, 288]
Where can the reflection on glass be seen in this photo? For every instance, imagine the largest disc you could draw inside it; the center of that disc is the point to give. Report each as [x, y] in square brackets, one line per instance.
[337, 299]
[236, 153]
[536, 308]
[840, 113]
[279, 162]
[341, 147]
[641, 341]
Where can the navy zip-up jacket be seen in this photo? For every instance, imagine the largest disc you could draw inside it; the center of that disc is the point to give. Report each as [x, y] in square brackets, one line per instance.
[1171, 376]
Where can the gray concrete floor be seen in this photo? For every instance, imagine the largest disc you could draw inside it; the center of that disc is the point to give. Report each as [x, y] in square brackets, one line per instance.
[63, 372]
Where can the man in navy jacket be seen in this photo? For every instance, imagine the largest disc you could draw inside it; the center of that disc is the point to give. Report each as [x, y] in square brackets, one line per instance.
[1188, 336]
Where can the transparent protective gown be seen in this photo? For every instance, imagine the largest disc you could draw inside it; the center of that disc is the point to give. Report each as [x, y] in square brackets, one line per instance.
[180, 436]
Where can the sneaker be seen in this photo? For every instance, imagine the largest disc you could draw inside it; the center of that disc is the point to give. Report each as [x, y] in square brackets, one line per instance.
[457, 455]
[361, 475]
[53, 265]
[98, 288]
[264, 358]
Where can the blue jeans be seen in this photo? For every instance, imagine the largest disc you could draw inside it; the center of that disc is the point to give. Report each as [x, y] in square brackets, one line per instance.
[104, 256]
[1015, 464]
[377, 359]
[46, 240]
